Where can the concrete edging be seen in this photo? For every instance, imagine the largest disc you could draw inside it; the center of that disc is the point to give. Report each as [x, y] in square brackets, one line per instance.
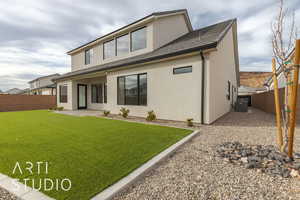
[125, 182]
[24, 192]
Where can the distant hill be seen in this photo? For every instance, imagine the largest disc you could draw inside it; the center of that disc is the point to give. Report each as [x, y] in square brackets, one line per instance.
[254, 79]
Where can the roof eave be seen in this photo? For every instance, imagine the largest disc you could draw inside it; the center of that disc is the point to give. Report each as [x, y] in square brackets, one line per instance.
[142, 61]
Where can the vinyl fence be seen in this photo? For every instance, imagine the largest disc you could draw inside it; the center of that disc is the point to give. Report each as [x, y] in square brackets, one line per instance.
[15, 102]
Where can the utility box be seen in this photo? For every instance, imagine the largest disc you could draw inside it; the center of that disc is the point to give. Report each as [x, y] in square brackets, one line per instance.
[241, 105]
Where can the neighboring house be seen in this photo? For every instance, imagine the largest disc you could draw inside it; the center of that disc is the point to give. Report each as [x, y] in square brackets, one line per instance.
[14, 91]
[26, 91]
[252, 83]
[43, 85]
[157, 63]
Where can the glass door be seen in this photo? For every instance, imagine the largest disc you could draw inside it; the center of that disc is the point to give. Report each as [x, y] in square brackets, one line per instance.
[82, 96]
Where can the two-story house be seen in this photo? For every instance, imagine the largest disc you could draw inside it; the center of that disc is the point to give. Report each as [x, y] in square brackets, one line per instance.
[157, 63]
[43, 85]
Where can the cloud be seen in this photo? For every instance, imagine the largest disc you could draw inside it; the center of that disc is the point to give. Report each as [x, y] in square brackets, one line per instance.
[35, 35]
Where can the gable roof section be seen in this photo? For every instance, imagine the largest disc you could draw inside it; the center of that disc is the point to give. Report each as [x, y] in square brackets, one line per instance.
[43, 77]
[155, 14]
[198, 40]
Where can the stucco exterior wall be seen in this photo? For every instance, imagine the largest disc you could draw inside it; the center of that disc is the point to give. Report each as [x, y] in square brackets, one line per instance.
[220, 69]
[173, 97]
[168, 29]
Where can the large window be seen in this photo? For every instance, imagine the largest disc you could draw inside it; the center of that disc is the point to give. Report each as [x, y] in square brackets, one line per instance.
[132, 90]
[63, 94]
[123, 45]
[109, 49]
[88, 56]
[97, 95]
[139, 39]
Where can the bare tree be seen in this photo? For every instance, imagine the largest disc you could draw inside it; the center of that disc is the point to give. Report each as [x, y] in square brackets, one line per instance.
[284, 36]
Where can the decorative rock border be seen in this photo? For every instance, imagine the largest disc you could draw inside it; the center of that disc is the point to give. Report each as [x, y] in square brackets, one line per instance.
[24, 192]
[266, 159]
[125, 182]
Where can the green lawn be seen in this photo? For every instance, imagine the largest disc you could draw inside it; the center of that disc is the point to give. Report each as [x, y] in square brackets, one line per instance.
[92, 152]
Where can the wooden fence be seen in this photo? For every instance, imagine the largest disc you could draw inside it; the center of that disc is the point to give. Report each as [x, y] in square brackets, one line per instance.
[265, 101]
[16, 102]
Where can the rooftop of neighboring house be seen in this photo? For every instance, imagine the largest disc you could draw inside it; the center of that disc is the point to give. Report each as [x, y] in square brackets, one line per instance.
[43, 77]
[13, 91]
[254, 79]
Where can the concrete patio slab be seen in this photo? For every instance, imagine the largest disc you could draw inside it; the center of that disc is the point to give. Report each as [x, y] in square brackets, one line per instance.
[81, 113]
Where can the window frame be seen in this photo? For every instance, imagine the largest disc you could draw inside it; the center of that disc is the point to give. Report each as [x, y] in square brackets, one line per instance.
[98, 94]
[115, 49]
[85, 56]
[105, 93]
[176, 68]
[138, 89]
[129, 45]
[131, 50]
[228, 90]
[60, 94]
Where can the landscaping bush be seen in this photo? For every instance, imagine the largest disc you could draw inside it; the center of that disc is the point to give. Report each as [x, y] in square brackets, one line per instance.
[53, 108]
[151, 116]
[189, 122]
[106, 113]
[124, 112]
[60, 108]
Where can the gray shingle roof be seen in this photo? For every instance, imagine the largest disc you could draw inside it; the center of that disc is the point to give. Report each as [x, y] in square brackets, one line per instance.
[197, 40]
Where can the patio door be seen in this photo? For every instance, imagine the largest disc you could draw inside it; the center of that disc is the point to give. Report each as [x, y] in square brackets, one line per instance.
[82, 96]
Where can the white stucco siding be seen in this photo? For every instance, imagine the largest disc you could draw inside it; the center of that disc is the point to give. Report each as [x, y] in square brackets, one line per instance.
[173, 97]
[168, 29]
[220, 69]
[72, 96]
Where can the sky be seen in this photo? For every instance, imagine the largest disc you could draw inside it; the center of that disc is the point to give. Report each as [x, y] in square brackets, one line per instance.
[36, 34]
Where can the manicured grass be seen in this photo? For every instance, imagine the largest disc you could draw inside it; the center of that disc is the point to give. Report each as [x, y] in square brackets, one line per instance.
[92, 152]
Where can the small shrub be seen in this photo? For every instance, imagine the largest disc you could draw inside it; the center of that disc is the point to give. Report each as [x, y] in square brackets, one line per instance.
[60, 108]
[189, 122]
[106, 113]
[53, 108]
[124, 112]
[151, 116]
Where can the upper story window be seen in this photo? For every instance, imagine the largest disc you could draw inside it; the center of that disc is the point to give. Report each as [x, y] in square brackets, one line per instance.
[139, 39]
[122, 45]
[109, 49]
[88, 56]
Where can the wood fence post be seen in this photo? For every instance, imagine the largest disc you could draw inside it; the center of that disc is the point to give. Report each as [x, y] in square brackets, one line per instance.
[277, 106]
[294, 100]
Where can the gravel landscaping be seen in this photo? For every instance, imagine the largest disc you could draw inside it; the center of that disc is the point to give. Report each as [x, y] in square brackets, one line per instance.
[4, 195]
[195, 172]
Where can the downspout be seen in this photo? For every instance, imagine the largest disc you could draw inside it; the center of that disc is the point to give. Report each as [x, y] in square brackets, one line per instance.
[202, 86]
